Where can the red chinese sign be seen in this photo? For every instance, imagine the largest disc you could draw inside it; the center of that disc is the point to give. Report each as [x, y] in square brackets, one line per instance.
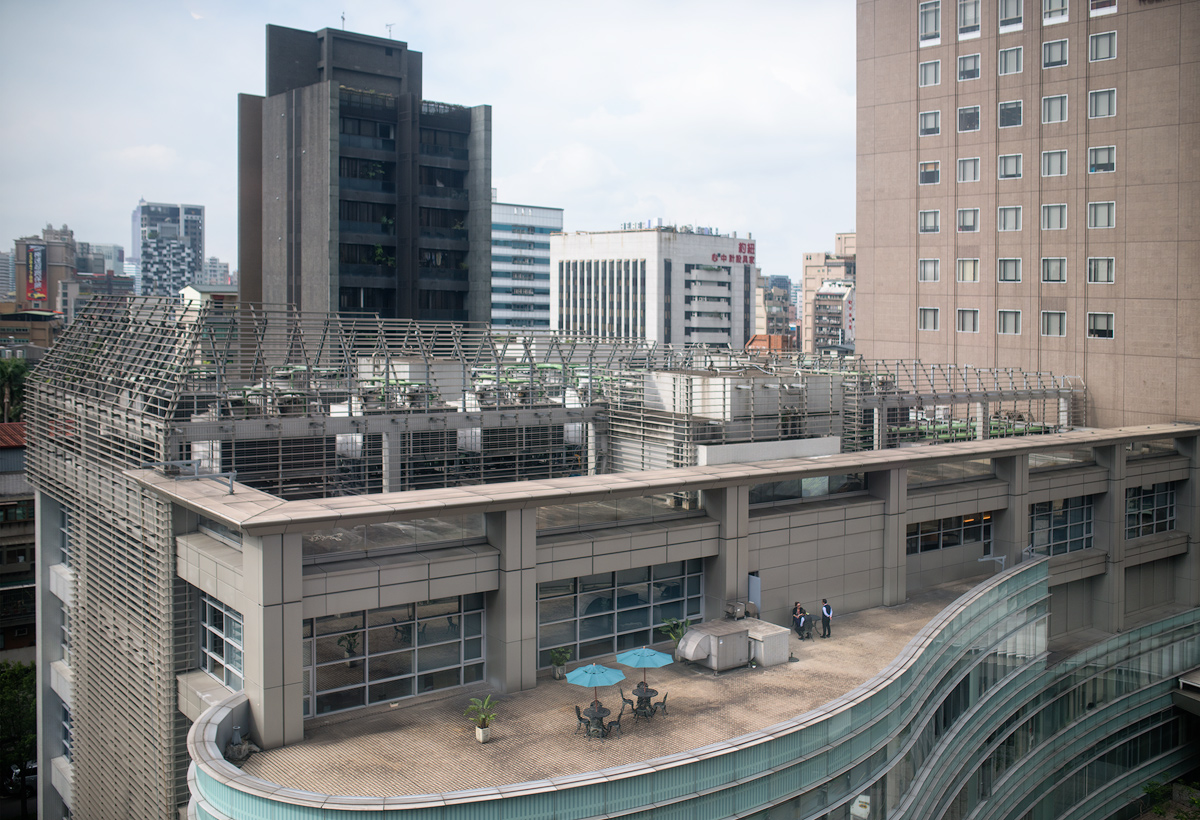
[745, 255]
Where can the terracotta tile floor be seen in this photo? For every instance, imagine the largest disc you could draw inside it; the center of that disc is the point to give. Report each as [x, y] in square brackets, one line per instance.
[427, 746]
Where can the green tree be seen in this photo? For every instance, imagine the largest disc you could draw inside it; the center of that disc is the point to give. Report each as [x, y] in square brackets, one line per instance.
[12, 388]
[18, 713]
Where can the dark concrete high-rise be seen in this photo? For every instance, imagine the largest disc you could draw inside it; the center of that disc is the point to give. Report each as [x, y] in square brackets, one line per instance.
[357, 195]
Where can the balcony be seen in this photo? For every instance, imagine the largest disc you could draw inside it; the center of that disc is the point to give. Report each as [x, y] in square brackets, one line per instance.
[441, 192]
[374, 271]
[441, 151]
[373, 228]
[444, 233]
[371, 143]
[376, 186]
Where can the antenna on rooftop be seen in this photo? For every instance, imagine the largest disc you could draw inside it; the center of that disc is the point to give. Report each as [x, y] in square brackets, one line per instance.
[343, 21]
[388, 26]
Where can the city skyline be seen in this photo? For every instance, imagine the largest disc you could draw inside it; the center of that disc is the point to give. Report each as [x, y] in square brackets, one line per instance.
[702, 125]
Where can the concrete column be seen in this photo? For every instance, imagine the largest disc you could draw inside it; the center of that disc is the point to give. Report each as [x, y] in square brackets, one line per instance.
[1108, 534]
[272, 604]
[892, 487]
[1010, 527]
[983, 426]
[726, 575]
[1187, 520]
[392, 451]
[512, 608]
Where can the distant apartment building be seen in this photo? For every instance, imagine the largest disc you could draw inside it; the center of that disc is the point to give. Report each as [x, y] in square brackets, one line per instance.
[170, 242]
[1026, 192]
[216, 272]
[680, 286]
[356, 194]
[833, 318]
[773, 308]
[820, 268]
[521, 264]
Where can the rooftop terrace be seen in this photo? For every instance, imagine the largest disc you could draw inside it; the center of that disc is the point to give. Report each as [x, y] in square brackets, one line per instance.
[427, 747]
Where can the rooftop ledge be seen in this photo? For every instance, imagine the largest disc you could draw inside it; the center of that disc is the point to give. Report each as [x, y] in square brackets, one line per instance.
[383, 754]
[260, 513]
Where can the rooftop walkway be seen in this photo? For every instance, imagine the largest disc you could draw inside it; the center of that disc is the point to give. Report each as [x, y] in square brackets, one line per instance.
[426, 746]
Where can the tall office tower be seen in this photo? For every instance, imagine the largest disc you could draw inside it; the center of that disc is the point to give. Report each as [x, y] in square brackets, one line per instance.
[521, 264]
[664, 284]
[170, 242]
[820, 268]
[8, 273]
[355, 194]
[1026, 192]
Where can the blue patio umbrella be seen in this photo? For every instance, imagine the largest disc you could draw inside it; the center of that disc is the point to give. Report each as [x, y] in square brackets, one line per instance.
[644, 658]
[595, 675]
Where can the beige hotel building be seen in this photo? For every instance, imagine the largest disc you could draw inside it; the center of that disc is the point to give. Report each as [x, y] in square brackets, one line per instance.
[1028, 191]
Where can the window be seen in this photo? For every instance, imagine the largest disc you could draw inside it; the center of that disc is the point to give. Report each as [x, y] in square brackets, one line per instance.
[1054, 217]
[929, 173]
[1054, 269]
[1010, 12]
[1102, 103]
[1009, 166]
[968, 118]
[1100, 7]
[927, 318]
[1149, 509]
[968, 67]
[967, 321]
[1008, 322]
[1054, 11]
[1100, 325]
[1054, 53]
[968, 17]
[929, 221]
[221, 641]
[1102, 160]
[928, 270]
[929, 73]
[968, 170]
[968, 270]
[1102, 46]
[929, 17]
[1010, 114]
[1008, 270]
[1102, 214]
[1009, 61]
[1058, 527]
[968, 220]
[930, 123]
[1054, 323]
[1008, 218]
[1054, 163]
[1054, 109]
[950, 532]
[361, 657]
[1101, 270]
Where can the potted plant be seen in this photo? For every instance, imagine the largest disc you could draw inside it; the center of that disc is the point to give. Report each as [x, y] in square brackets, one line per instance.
[482, 713]
[558, 659]
[675, 629]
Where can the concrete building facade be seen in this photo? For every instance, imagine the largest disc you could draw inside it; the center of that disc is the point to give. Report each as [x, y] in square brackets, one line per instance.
[355, 193]
[666, 285]
[1025, 192]
[315, 488]
[521, 264]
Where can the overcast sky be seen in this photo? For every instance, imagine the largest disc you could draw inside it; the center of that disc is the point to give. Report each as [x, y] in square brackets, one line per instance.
[616, 111]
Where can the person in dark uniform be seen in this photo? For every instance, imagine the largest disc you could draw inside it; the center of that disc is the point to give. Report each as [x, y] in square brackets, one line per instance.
[797, 619]
[826, 617]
